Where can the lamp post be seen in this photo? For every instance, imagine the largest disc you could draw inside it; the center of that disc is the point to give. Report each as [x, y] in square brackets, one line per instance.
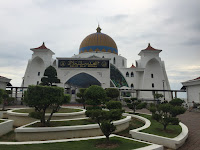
[163, 88]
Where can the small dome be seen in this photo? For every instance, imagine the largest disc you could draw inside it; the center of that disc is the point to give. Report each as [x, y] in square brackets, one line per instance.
[98, 42]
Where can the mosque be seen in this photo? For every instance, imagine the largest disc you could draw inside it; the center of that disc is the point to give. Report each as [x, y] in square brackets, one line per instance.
[98, 63]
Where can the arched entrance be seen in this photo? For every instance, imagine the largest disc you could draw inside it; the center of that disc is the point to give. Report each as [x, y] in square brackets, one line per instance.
[83, 80]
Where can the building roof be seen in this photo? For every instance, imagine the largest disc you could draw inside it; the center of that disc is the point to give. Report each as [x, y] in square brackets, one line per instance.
[132, 66]
[98, 42]
[149, 47]
[4, 79]
[42, 46]
[195, 81]
[197, 78]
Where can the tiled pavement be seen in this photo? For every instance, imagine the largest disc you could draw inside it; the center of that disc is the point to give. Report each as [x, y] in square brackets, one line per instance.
[192, 121]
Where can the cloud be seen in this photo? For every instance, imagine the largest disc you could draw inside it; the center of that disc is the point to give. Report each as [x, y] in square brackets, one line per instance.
[171, 26]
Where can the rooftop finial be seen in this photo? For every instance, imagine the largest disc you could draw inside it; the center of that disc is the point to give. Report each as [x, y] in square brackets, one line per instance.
[98, 29]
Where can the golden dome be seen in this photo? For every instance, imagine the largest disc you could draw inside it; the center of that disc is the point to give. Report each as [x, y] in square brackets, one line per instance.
[98, 42]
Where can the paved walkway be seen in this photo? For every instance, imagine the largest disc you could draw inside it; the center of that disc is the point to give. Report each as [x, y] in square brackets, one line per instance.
[192, 121]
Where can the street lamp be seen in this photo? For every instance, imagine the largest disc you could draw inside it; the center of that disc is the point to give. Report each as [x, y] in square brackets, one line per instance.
[163, 88]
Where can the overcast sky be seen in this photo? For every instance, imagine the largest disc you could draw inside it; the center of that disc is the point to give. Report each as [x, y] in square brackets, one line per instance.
[173, 26]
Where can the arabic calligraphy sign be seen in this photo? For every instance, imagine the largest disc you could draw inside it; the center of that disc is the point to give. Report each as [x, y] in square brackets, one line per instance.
[83, 63]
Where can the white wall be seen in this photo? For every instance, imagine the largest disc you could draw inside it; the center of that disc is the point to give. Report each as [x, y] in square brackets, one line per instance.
[193, 94]
[3, 85]
[41, 59]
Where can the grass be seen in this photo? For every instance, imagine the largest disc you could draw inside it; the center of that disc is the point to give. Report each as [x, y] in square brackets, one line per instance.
[62, 110]
[157, 128]
[134, 123]
[66, 123]
[1, 121]
[123, 144]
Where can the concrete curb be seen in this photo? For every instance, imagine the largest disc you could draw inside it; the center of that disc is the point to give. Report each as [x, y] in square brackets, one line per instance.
[174, 143]
[6, 126]
[24, 133]
[21, 119]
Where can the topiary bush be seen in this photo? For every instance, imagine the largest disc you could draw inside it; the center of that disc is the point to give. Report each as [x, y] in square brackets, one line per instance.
[166, 113]
[104, 118]
[135, 104]
[113, 105]
[95, 95]
[43, 97]
[112, 93]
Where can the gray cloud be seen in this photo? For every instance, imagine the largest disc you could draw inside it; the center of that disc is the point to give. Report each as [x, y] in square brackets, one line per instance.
[172, 26]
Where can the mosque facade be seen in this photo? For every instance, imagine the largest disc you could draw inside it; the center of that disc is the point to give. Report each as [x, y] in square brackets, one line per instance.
[98, 63]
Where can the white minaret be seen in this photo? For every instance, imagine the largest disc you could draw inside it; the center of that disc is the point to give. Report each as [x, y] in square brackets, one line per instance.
[154, 75]
[41, 59]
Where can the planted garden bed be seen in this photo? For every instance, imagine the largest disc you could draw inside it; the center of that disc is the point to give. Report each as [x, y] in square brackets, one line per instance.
[21, 116]
[157, 129]
[149, 131]
[27, 133]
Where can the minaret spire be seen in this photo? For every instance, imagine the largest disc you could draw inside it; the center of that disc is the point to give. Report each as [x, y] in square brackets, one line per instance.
[98, 29]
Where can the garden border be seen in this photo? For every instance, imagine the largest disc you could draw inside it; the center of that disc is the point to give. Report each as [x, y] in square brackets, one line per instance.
[25, 133]
[21, 119]
[174, 143]
[6, 126]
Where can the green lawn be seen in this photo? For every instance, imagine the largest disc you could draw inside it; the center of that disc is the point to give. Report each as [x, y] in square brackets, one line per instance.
[124, 144]
[134, 123]
[62, 110]
[1, 121]
[66, 123]
[157, 128]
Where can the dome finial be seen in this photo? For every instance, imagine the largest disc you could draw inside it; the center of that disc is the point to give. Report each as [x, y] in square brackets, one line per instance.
[98, 29]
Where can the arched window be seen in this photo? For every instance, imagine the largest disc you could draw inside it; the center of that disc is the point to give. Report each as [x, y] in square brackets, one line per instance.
[152, 85]
[132, 74]
[114, 60]
[122, 62]
[132, 86]
[127, 74]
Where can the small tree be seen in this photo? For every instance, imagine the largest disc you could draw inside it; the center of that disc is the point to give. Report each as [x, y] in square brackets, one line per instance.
[112, 93]
[158, 96]
[43, 97]
[176, 102]
[166, 113]
[95, 95]
[5, 99]
[50, 76]
[105, 118]
[81, 96]
[135, 104]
